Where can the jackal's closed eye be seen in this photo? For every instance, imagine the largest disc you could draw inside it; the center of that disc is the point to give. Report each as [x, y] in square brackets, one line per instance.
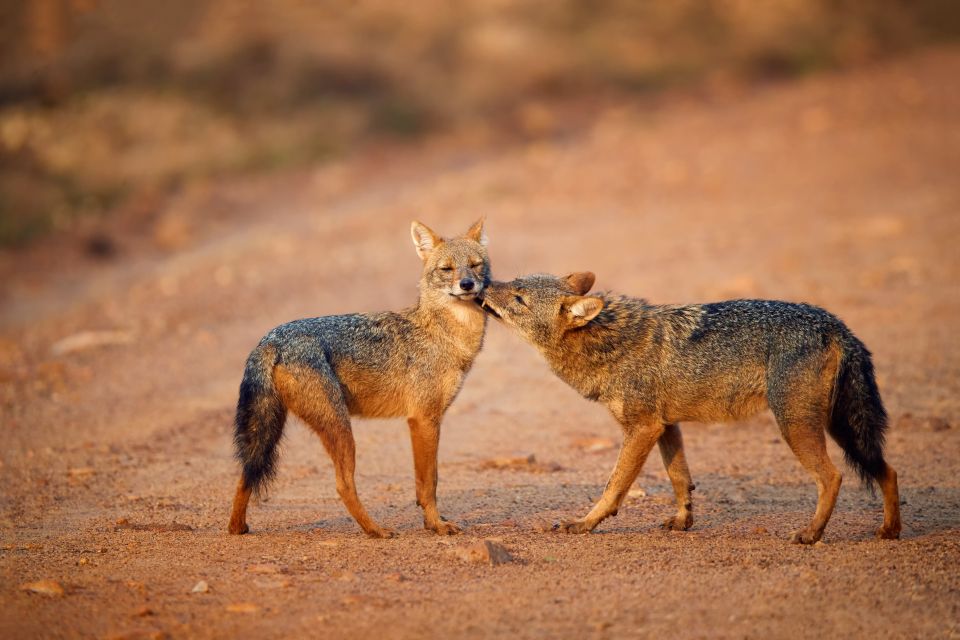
[446, 268]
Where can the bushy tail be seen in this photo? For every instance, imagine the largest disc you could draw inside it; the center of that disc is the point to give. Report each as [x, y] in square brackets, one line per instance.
[260, 419]
[859, 421]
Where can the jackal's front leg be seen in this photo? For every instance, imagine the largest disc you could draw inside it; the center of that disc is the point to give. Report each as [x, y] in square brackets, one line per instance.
[637, 443]
[425, 437]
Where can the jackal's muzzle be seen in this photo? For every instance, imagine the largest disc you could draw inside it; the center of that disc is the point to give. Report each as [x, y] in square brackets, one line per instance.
[486, 306]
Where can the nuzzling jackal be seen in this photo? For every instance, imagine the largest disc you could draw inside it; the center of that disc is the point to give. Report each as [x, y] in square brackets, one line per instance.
[656, 366]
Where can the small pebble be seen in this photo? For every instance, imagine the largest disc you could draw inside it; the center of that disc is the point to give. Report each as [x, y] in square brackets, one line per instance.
[50, 588]
[485, 552]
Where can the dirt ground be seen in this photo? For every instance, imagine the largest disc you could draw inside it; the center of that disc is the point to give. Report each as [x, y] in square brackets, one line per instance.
[117, 470]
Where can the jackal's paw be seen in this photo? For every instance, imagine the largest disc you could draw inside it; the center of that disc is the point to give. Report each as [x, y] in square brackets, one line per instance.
[678, 522]
[573, 526]
[238, 529]
[805, 536]
[889, 533]
[381, 532]
[443, 528]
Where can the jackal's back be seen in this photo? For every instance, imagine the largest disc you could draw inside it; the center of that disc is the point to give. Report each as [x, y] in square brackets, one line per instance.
[368, 340]
[699, 362]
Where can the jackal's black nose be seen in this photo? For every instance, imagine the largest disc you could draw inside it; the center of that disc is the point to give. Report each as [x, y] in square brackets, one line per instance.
[466, 284]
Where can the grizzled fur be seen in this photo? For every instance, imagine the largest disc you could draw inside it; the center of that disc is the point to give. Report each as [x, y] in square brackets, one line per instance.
[655, 366]
[409, 363]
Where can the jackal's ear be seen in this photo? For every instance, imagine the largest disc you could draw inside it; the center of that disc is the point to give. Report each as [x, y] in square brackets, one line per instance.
[477, 234]
[581, 310]
[581, 282]
[424, 239]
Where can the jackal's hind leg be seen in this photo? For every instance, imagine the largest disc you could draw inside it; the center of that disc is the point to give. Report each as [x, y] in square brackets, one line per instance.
[675, 462]
[891, 505]
[316, 399]
[238, 517]
[342, 449]
[808, 442]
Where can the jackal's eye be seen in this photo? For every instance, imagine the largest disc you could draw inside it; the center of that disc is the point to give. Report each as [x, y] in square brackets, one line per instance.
[446, 268]
[476, 265]
[520, 300]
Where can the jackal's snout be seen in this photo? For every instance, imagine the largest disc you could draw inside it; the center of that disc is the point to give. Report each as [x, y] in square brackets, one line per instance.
[467, 286]
[482, 300]
[490, 299]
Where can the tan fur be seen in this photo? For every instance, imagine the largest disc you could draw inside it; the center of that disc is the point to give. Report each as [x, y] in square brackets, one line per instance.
[238, 516]
[891, 506]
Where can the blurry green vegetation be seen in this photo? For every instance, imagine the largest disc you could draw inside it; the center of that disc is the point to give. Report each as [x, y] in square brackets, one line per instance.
[102, 99]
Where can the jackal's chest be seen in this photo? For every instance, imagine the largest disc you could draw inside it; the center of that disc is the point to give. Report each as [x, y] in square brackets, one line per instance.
[440, 374]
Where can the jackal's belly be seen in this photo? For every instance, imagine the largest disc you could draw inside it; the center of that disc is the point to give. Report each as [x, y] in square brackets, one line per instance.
[715, 400]
[716, 409]
[376, 394]
[370, 392]
[378, 397]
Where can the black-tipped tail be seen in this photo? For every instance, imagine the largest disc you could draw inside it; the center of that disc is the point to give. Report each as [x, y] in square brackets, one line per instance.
[259, 422]
[859, 421]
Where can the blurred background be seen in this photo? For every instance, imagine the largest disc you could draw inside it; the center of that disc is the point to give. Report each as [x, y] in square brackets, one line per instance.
[110, 107]
[178, 177]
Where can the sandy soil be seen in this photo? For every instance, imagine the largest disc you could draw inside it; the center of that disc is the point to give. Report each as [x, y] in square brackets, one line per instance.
[839, 190]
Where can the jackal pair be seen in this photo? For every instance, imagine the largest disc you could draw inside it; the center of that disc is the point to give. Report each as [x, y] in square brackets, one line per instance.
[652, 366]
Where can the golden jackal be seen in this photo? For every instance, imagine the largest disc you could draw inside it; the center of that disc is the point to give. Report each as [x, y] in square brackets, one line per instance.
[409, 363]
[655, 366]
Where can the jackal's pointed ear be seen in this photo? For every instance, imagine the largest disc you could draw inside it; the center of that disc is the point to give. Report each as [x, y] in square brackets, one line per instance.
[581, 310]
[424, 239]
[581, 282]
[477, 234]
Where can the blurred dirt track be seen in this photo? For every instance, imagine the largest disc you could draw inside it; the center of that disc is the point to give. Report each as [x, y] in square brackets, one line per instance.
[118, 377]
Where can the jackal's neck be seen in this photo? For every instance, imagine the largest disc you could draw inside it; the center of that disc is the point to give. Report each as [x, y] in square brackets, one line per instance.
[584, 358]
[461, 320]
[580, 366]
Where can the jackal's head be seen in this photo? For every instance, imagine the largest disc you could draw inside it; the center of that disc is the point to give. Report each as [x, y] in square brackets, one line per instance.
[542, 308]
[454, 270]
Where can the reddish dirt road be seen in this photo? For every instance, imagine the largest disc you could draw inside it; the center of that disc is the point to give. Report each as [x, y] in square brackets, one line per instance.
[839, 190]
